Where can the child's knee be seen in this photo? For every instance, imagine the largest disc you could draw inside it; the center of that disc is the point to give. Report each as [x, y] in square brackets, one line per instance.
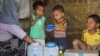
[75, 42]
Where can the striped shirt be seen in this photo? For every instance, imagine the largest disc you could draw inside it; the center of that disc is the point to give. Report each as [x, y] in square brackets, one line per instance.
[60, 30]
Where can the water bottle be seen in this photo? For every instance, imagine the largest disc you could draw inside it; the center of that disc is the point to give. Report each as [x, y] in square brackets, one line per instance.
[61, 53]
[51, 49]
[35, 49]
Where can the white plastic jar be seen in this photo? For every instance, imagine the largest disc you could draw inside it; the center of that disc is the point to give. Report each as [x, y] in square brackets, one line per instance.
[51, 49]
[35, 49]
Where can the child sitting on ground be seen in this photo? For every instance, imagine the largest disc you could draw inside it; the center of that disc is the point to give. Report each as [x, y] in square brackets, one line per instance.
[91, 35]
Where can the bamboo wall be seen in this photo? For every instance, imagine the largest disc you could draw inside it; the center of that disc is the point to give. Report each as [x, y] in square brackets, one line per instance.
[76, 12]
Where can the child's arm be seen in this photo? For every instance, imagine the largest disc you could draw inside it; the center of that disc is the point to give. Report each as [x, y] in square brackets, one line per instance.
[34, 21]
[62, 29]
[65, 27]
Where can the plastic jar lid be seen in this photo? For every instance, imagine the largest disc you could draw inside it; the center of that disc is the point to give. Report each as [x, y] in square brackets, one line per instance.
[50, 45]
[50, 27]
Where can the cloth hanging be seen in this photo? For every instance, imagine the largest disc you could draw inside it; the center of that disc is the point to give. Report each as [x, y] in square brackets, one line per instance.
[24, 8]
[8, 12]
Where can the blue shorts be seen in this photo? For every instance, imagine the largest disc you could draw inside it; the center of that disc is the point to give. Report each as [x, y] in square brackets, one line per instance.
[61, 42]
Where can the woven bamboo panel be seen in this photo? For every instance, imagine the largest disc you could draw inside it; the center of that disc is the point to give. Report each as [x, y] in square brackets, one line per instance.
[76, 12]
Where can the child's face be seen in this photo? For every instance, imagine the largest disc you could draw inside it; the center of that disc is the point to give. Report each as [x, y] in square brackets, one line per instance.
[58, 14]
[91, 24]
[39, 11]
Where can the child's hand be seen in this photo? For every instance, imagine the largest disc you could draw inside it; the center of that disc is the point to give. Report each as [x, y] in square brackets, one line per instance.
[38, 17]
[58, 28]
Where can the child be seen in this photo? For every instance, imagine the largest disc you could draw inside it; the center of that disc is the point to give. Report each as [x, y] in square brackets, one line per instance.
[37, 23]
[91, 35]
[60, 27]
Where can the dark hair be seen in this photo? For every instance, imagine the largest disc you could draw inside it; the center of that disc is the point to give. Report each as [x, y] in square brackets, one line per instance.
[95, 17]
[37, 3]
[58, 7]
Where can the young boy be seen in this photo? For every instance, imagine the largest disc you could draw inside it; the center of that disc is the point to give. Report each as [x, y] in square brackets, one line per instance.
[60, 26]
[91, 35]
[37, 23]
